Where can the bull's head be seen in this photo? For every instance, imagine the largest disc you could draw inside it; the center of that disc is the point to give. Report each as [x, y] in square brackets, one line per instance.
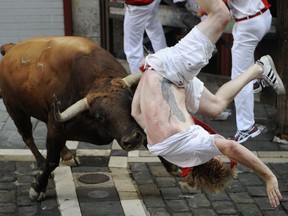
[111, 107]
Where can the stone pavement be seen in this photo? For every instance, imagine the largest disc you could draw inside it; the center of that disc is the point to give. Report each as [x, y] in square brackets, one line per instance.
[110, 181]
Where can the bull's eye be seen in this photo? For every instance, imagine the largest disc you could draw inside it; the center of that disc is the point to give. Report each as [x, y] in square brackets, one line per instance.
[99, 117]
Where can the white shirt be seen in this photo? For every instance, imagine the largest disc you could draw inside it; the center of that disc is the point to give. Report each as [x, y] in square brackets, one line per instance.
[189, 148]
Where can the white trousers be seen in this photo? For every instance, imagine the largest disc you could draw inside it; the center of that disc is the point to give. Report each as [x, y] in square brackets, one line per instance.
[247, 34]
[138, 19]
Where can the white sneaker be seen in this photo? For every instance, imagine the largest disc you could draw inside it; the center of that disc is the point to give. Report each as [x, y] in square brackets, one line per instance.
[270, 75]
[242, 136]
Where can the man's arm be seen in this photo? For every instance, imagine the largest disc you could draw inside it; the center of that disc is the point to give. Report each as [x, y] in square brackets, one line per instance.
[242, 155]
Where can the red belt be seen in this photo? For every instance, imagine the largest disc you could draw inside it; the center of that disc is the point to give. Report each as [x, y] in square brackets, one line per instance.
[249, 17]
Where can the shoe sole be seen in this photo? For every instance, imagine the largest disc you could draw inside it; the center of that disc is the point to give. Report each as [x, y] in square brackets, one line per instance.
[281, 89]
[256, 133]
[259, 88]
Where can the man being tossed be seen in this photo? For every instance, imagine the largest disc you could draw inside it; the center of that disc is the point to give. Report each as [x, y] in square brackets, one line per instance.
[169, 92]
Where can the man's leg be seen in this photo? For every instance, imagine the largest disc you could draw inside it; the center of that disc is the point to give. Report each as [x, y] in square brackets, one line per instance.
[215, 23]
[212, 105]
[242, 59]
[134, 27]
[154, 28]
[182, 62]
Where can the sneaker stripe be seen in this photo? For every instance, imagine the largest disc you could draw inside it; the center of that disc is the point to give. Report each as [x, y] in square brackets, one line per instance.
[272, 77]
[242, 136]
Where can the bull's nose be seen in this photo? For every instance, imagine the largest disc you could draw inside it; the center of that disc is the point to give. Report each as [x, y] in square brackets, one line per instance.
[133, 141]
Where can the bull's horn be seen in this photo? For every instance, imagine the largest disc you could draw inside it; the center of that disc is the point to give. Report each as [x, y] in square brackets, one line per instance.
[71, 111]
[132, 79]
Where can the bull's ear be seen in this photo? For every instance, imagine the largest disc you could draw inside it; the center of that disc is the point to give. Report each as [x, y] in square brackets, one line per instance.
[4, 48]
[118, 82]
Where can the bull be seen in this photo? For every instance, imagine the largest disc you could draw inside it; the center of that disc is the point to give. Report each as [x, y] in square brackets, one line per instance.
[43, 76]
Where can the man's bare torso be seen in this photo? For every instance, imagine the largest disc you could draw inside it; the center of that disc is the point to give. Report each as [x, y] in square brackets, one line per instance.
[162, 115]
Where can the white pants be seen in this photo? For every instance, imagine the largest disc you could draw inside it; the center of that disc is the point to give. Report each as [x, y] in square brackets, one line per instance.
[138, 19]
[247, 34]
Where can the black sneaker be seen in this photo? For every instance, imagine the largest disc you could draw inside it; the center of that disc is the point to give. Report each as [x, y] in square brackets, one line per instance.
[270, 75]
[242, 136]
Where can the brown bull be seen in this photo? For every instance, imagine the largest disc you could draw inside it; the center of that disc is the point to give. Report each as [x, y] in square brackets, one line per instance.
[88, 82]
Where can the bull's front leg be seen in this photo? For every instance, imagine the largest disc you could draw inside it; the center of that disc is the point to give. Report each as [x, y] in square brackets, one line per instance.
[172, 169]
[38, 187]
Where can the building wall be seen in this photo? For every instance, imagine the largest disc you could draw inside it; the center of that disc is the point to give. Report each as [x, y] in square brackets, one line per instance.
[22, 19]
[86, 19]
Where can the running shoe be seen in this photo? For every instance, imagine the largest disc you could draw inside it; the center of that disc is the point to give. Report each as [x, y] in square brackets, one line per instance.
[270, 75]
[244, 135]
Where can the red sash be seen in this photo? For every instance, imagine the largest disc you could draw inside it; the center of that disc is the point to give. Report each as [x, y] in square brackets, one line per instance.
[138, 2]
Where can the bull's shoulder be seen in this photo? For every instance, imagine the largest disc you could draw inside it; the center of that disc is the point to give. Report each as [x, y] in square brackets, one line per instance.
[64, 44]
[79, 44]
[61, 47]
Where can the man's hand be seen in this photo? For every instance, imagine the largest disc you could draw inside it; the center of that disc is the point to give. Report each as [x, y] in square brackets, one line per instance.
[273, 192]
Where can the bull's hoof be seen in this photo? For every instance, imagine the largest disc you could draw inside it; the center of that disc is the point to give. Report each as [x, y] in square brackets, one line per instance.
[72, 162]
[36, 196]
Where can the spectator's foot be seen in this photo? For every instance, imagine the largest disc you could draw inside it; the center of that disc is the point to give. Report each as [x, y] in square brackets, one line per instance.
[244, 135]
[270, 75]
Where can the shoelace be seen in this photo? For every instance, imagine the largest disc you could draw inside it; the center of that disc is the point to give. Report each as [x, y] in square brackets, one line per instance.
[242, 134]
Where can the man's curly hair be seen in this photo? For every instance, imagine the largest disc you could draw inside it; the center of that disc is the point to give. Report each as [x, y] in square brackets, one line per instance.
[211, 176]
